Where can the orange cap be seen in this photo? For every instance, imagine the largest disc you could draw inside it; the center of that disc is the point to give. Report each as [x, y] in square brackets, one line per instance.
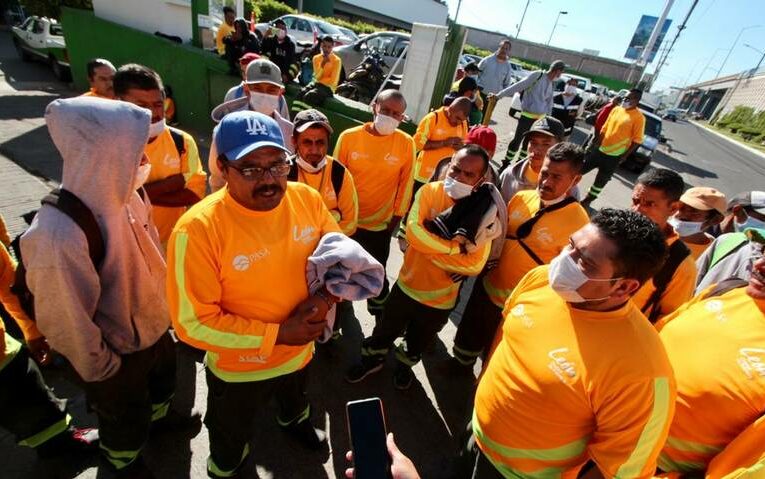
[705, 199]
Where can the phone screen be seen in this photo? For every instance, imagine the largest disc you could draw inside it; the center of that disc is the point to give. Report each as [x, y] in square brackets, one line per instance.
[366, 426]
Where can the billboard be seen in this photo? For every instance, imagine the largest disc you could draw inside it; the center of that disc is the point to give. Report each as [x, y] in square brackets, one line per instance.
[641, 36]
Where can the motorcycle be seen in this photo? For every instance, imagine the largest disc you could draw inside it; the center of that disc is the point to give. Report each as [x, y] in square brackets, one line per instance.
[363, 83]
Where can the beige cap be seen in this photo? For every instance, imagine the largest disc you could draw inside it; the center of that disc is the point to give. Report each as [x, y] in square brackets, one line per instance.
[705, 199]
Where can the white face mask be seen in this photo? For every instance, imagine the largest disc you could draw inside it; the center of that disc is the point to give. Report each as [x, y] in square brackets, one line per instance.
[626, 104]
[557, 200]
[685, 228]
[305, 166]
[749, 223]
[141, 176]
[456, 190]
[385, 125]
[263, 102]
[566, 278]
[570, 89]
[155, 129]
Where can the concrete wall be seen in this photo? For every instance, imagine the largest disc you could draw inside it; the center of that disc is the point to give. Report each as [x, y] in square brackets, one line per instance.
[582, 62]
[406, 11]
[750, 92]
[172, 17]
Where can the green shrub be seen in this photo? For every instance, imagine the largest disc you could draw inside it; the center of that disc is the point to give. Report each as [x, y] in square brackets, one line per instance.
[270, 9]
[52, 8]
[471, 50]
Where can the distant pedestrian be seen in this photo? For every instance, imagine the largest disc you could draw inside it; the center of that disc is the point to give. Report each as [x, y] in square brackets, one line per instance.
[239, 43]
[567, 106]
[100, 77]
[225, 29]
[495, 70]
[279, 48]
[326, 74]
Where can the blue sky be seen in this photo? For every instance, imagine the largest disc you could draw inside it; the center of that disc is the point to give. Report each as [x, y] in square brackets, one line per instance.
[608, 25]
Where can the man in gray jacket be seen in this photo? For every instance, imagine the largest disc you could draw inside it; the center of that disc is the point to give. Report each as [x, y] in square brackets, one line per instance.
[496, 73]
[111, 320]
[537, 101]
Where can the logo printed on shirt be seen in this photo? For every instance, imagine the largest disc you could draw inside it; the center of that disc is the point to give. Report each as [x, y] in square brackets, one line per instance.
[519, 311]
[355, 155]
[715, 307]
[390, 159]
[516, 215]
[171, 161]
[255, 127]
[306, 234]
[242, 262]
[255, 358]
[543, 235]
[751, 361]
[564, 369]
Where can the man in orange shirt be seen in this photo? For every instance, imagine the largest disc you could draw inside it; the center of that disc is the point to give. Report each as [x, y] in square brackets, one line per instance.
[326, 74]
[716, 344]
[577, 373]
[657, 195]
[225, 29]
[428, 285]
[176, 179]
[438, 136]
[380, 157]
[101, 78]
[701, 208]
[237, 289]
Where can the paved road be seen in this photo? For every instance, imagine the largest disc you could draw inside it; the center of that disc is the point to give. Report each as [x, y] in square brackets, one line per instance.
[426, 419]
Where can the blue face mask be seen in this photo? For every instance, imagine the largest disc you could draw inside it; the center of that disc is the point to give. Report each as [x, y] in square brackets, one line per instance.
[749, 223]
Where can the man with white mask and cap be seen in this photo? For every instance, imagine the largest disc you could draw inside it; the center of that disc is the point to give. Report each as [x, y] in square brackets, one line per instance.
[380, 157]
[175, 179]
[263, 90]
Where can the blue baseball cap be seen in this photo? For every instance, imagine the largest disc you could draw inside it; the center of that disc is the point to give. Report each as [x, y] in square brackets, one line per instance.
[242, 132]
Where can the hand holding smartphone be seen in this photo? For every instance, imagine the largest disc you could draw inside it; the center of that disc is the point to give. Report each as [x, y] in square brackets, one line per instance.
[366, 427]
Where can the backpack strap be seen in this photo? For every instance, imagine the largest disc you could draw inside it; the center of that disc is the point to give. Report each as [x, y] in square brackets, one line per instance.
[337, 176]
[524, 230]
[178, 140]
[293, 174]
[725, 286]
[69, 204]
[677, 254]
[729, 245]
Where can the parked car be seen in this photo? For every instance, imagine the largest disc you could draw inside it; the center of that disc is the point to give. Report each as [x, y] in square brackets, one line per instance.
[304, 29]
[348, 33]
[675, 114]
[652, 136]
[518, 72]
[42, 38]
[388, 44]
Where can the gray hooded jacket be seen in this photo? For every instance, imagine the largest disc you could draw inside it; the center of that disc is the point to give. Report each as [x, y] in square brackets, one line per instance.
[89, 316]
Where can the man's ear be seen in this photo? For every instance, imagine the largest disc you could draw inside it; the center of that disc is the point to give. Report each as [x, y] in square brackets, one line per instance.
[577, 179]
[627, 288]
[222, 168]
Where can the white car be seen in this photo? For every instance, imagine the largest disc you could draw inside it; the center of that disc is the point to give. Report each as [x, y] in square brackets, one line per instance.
[304, 29]
[42, 38]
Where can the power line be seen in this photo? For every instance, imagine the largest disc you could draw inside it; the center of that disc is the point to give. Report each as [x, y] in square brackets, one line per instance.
[680, 29]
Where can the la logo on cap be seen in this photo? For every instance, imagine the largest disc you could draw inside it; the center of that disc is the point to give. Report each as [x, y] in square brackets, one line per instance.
[254, 127]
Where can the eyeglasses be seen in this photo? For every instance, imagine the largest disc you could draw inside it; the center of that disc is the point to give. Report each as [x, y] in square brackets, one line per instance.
[257, 173]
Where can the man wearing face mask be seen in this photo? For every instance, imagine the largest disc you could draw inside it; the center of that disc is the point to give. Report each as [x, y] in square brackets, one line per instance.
[714, 343]
[439, 134]
[576, 372]
[380, 158]
[321, 172]
[280, 49]
[567, 105]
[237, 290]
[537, 91]
[701, 209]
[110, 321]
[621, 135]
[239, 91]
[427, 289]
[263, 91]
[657, 196]
[540, 222]
[175, 178]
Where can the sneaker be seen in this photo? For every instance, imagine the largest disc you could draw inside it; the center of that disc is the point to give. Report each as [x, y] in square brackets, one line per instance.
[307, 435]
[361, 370]
[177, 422]
[72, 441]
[403, 377]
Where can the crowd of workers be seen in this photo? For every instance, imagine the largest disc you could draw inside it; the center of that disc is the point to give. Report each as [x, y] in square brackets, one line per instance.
[629, 342]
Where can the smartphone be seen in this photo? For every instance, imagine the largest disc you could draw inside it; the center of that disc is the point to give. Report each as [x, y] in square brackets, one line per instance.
[366, 427]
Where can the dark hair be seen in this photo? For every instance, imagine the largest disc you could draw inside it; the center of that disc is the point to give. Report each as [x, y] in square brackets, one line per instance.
[227, 10]
[637, 92]
[506, 40]
[95, 63]
[467, 84]
[136, 76]
[328, 38]
[667, 181]
[462, 104]
[641, 248]
[476, 150]
[388, 94]
[279, 22]
[569, 153]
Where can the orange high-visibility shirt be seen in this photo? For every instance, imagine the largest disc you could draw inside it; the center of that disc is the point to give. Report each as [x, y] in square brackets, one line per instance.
[9, 346]
[434, 127]
[622, 129]
[429, 260]
[329, 75]
[382, 171]
[697, 249]
[165, 162]
[92, 92]
[234, 275]
[224, 29]
[565, 385]
[343, 205]
[678, 291]
[717, 348]
[547, 239]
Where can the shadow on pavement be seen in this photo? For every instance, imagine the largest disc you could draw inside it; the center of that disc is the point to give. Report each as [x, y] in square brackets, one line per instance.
[34, 151]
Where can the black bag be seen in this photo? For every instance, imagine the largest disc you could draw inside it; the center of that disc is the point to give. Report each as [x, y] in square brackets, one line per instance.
[677, 253]
[524, 230]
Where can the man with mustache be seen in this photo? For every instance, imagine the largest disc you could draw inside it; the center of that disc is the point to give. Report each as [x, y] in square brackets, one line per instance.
[237, 289]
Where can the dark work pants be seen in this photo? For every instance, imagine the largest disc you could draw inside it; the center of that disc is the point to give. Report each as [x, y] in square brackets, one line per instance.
[129, 401]
[401, 314]
[28, 408]
[231, 409]
[518, 141]
[473, 464]
[606, 166]
[377, 243]
[478, 327]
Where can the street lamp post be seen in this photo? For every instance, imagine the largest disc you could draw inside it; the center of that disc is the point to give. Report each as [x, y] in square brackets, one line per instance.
[709, 63]
[555, 25]
[762, 57]
[734, 46]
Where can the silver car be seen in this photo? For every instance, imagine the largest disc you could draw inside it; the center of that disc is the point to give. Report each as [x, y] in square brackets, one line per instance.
[304, 29]
[389, 44]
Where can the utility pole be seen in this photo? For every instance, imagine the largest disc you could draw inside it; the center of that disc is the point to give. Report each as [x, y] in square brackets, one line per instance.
[457, 13]
[518, 32]
[761, 58]
[680, 29]
[555, 25]
[655, 33]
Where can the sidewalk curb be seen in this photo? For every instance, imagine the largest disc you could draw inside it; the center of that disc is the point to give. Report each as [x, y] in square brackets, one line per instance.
[730, 140]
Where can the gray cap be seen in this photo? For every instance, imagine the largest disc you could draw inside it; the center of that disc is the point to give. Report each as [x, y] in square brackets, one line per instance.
[263, 71]
[308, 118]
[558, 65]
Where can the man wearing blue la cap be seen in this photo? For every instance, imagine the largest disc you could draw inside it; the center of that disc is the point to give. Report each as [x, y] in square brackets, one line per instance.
[228, 256]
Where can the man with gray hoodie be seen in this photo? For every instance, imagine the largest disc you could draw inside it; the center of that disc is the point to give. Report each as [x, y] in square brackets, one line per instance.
[110, 320]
